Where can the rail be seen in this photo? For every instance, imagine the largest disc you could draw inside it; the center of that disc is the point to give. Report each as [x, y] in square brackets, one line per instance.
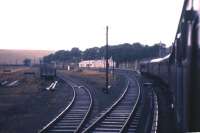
[155, 114]
[108, 110]
[125, 127]
[68, 113]
[61, 114]
[88, 112]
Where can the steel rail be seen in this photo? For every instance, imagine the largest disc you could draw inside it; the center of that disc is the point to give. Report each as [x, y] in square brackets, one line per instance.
[154, 128]
[78, 129]
[60, 114]
[68, 112]
[108, 110]
[88, 112]
[124, 128]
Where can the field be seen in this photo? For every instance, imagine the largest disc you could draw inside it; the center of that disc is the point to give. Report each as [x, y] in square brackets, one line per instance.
[17, 56]
[27, 107]
[4, 70]
[10, 73]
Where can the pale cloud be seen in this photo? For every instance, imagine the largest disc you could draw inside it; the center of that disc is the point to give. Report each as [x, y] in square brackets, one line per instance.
[63, 24]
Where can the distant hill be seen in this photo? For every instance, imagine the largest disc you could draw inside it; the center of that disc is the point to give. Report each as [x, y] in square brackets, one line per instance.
[17, 56]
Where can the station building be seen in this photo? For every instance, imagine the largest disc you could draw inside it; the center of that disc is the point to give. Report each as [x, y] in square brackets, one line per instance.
[96, 63]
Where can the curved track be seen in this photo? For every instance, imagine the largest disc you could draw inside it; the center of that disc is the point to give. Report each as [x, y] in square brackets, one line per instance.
[117, 116]
[74, 115]
[132, 122]
[155, 114]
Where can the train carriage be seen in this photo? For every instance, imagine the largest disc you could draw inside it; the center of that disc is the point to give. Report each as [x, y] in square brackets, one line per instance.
[181, 69]
[48, 70]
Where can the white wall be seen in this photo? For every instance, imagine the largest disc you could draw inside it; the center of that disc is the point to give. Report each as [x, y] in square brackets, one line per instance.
[96, 63]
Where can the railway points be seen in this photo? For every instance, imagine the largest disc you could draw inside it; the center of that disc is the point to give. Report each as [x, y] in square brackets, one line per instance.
[75, 114]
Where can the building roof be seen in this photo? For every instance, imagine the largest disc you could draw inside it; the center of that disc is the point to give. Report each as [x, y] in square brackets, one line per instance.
[160, 59]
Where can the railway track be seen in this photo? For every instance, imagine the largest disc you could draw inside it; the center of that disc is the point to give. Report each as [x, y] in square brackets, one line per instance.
[133, 120]
[116, 118]
[72, 118]
[155, 114]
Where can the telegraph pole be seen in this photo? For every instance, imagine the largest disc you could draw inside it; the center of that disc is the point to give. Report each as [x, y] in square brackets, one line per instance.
[107, 65]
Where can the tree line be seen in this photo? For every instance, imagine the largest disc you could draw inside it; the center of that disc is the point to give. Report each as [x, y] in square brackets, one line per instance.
[120, 53]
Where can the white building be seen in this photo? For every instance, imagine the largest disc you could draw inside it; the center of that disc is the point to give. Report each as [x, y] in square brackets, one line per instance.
[96, 63]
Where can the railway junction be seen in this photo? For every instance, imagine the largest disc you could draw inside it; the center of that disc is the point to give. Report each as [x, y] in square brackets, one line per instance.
[75, 102]
[111, 94]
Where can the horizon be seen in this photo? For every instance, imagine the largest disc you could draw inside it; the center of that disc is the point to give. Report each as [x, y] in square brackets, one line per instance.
[54, 50]
[27, 49]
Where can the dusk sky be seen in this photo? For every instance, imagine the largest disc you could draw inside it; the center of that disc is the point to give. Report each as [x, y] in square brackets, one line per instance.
[63, 24]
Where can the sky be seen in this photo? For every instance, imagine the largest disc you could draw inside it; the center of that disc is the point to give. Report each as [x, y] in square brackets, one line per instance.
[63, 24]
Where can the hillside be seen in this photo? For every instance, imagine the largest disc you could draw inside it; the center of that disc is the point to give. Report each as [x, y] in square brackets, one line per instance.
[17, 56]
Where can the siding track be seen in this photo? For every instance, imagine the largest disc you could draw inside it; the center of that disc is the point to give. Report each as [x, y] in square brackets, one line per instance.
[72, 118]
[117, 116]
